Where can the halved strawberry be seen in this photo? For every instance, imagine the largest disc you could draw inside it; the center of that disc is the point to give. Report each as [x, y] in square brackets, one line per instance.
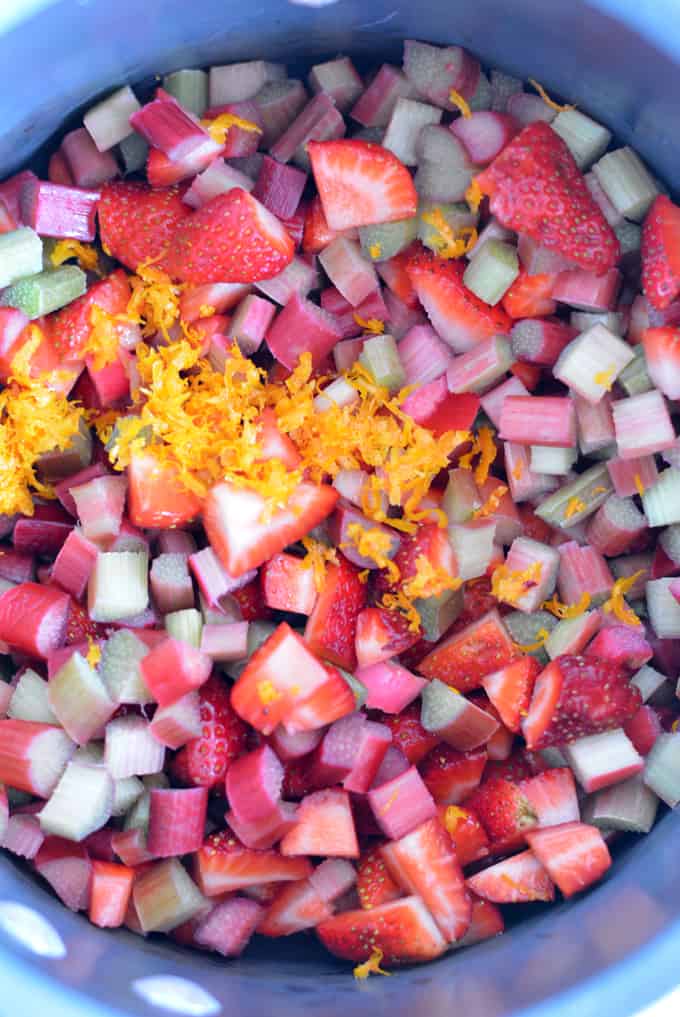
[331, 701]
[510, 689]
[466, 832]
[576, 696]
[317, 233]
[423, 862]
[136, 223]
[530, 296]
[361, 183]
[243, 540]
[203, 761]
[232, 238]
[451, 776]
[381, 634]
[324, 827]
[375, 885]
[295, 907]
[574, 854]
[458, 316]
[660, 249]
[408, 734]
[662, 353]
[70, 328]
[463, 659]
[251, 602]
[156, 495]
[536, 188]
[517, 880]
[403, 930]
[224, 864]
[552, 795]
[394, 273]
[332, 626]
[505, 813]
[485, 923]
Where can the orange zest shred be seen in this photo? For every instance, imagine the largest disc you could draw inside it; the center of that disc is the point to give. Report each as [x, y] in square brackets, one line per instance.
[363, 575]
[605, 378]
[371, 966]
[474, 195]
[94, 653]
[374, 544]
[429, 581]
[448, 242]
[399, 601]
[639, 486]
[390, 802]
[561, 611]
[318, 556]
[518, 469]
[483, 446]
[373, 325]
[511, 586]
[222, 124]
[546, 98]
[574, 506]
[85, 254]
[453, 816]
[103, 342]
[616, 603]
[491, 503]
[460, 103]
[375, 250]
[267, 692]
[206, 311]
[154, 303]
[541, 636]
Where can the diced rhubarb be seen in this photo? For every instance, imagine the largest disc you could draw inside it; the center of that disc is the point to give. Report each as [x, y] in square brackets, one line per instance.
[374, 108]
[164, 897]
[540, 340]
[67, 868]
[372, 744]
[33, 756]
[87, 165]
[279, 187]
[33, 618]
[110, 894]
[302, 327]
[642, 424]
[176, 821]
[42, 533]
[347, 526]
[318, 121]
[81, 802]
[455, 719]
[56, 211]
[175, 725]
[254, 785]
[632, 476]
[583, 569]
[100, 503]
[170, 583]
[23, 836]
[333, 759]
[414, 804]
[229, 926]
[172, 669]
[601, 760]
[539, 420]
[390, 687]
[74, 563]
[225, 642]
[169, 128]
[324, 827]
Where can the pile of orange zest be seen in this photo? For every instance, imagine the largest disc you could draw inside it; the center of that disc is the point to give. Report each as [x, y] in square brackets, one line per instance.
[94, 653]
[222, 124]
[453, 816]
[154, 303]
[511, 586]
[617, 605]
[541, 636]
[85, 254]
[547, 100]
[562, 611]
[574, 506]
[103, 342]
[484, 447]
[400, 602]
[34, 420]
[429, 581]
[318, 556]
[639, 486]
[474, 195]
[373, 325]
[605, 378]
[447, 242]
[460, 103]
[374, 544]
[371, 966]
[375, 250]
[267, 692]
[491, 503]
[206, 311]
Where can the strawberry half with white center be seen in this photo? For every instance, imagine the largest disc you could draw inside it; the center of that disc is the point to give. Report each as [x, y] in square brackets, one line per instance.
[204, 760]
[233, 238]
[136, 223]
[660, 249]
[403, 930]
[574, 854]
[536, 188]
[662, 353]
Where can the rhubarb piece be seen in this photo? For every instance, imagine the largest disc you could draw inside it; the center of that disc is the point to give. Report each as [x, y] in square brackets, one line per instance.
[79, 699]
[67, 868]
[414, 804]
[80, 803]
[108, 121]
[74, 563]
[538, 420]
[118, 586]
[663, 608]
[454, 718]
[88, 166]
[390, 687]
[56, 211]
[172, 669]
[600, 760]
[37, 295]
[662, 769]
[131, 749]
[578, 499]
[119, 668]
[627, 182]
[100, 504]
[30, 700]
[630, 807]
[21, 255]
[33, 756]
[176, 821]
[164, 897]
[318, 121]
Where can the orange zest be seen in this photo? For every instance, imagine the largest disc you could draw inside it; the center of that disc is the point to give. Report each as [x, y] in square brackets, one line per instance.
[541, 637]
[560, 108]
[222, 124]
[460, 103]
[616, 604]
[371, 966]
[511, 586]
[373, 325]
[562, 611]
[574, 506]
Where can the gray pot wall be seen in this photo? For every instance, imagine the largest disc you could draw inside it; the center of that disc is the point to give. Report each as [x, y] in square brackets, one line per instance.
[610, 952]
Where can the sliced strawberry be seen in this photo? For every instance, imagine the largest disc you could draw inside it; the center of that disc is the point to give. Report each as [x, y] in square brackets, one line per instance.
[510, 689]
[331, 701]
[576, 696]
[424, 863]
[536, 188]
[486, 922]
[530, 296]
[203, 761]
[394, 272]
[408, 734]
[458, 316]
[70, 328]
[504, 811]
[297, 781]
[552, 795]
[520, 765]
[660, 249]
[332, 625]
[287, 585]
[517, 880]
[403, 930]
[574, 854]
[232, 238]
[324, 827]
[251, 602]
[451, 776]
[156, 496]
[528, 374]
[295, 907]
[317, 233]
[223, 864]
[662, 353]
[137, 224]
[466, 832]
[361, 183]
[80, 626]
[273, 443]
[375, 885]
[233, 519]
[381, 634]
[463, 659]
[429, 541]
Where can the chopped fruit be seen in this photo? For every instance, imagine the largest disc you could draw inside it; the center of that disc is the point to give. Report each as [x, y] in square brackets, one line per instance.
[295, 907]
[530, 296]
[375, 885]
[536, 188]
[409, 735]
[467, 833]
[552, 795]
[137, 224]
[403, 930]
[332, 626]
[510, 689]
[156, 496]
[381, 634]
[577, 696]
[451, 776]
[287, 584]
[517, 880]
[467, 657]
[662, 354]
[360, 183]
[574, 854]
[660, 249]
[203, 761]
[504, 811]
[223, 865]
[324, 827]
[72, 327]
[485, 923]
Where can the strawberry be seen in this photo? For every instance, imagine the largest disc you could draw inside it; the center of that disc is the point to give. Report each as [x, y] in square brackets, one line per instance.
[394, 273]
[530, 296]
[504, 811]
[80, 626]
[660, 249]
[423, 862]
[662, 353]
[361, 183]
[224, 864]
[403, 930]
[137, 224]
[232, 517]
[156, 495]
[317, 233]
[552, 795]
[375, 886]
[536, 188]
[295, 907]
[450, 776]
[332, 625]
[331, 701]
[463, 659]
[296, 778]
[528, 374]
[288, 585]
[161, 171]
[324, 827]
[643, 729]
[466, 832]
[408, 734]
[457, 315]
[510, 689]
[381, 634]
[517, 880]
[485, 923]
[71, 326]
[203, 761]
[232, 238]
[576, 696]
[520, 765]
[251, 602]
[574, 854]
[429, 541]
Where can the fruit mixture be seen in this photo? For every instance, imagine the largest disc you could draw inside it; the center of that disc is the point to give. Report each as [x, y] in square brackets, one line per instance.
[340, 496]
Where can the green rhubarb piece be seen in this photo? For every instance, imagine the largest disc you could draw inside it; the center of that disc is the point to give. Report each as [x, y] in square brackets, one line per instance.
[186, 625]
[190, 88]
[585, 138]
[165, 896]
[21, 255]
[437, 613]
[258, 633]
[455, 215]
[661, 501]
[577, 500]
[629, 235]
[528, 629]
[662, 769]
[384, 240]
[119, 668]
[126, 791]
[47, 291]
[634, 378]
[118, 586]
[630, 806]
[627, 182]
[134, 152]
[492, 271]
[380, 356]
[80, 803]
